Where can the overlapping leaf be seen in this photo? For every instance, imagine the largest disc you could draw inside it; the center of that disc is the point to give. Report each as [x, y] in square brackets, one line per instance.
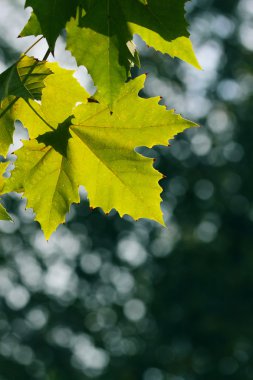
[48, 182]
[99, 40]
[98, 152]
[25, 80]
[99, 37]
[49, 18]
[47, 178]
[59, 97]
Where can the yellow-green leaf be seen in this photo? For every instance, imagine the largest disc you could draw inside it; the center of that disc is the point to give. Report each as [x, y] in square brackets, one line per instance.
[6, 127]
[48, 182]
[124, 180]
[60, 95]
[99, 153]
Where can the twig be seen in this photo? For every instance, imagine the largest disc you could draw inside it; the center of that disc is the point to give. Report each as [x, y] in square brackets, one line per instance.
[35, 43]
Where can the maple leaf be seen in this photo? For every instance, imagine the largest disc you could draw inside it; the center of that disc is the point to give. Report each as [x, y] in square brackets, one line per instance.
[52, 198]
[48, 182]
[99, 40]
[49, 18]
[99, 154]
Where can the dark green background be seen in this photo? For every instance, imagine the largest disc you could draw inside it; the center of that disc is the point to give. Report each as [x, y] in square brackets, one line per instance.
[108, 298]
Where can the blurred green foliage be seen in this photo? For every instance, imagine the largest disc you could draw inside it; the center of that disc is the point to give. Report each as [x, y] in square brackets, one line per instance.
[108, 298]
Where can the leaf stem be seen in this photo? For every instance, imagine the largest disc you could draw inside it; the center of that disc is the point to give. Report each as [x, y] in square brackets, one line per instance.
[39, 116]
[46, 55]
[34, 65]
[27, 100]
[35, 43]
[9, 106]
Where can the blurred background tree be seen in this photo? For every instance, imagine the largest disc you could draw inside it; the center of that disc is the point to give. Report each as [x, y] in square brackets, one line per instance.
[109, 298]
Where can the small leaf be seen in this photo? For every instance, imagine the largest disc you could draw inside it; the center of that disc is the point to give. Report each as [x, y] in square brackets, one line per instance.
[24, 79]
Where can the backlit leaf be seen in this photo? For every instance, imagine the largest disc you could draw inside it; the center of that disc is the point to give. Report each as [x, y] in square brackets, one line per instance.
[99, 40]
[100, 155]
[6, 127]
[48, 181]
[52, 16]
[60, 95]
[24, 79]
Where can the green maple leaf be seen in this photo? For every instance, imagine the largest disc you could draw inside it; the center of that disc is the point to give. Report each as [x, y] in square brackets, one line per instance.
[49, 18]
[100, 155]
[52, 198]
[99, 40]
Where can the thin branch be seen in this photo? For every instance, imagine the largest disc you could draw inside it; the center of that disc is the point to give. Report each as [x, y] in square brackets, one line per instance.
[35, 43]
[46, 55]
